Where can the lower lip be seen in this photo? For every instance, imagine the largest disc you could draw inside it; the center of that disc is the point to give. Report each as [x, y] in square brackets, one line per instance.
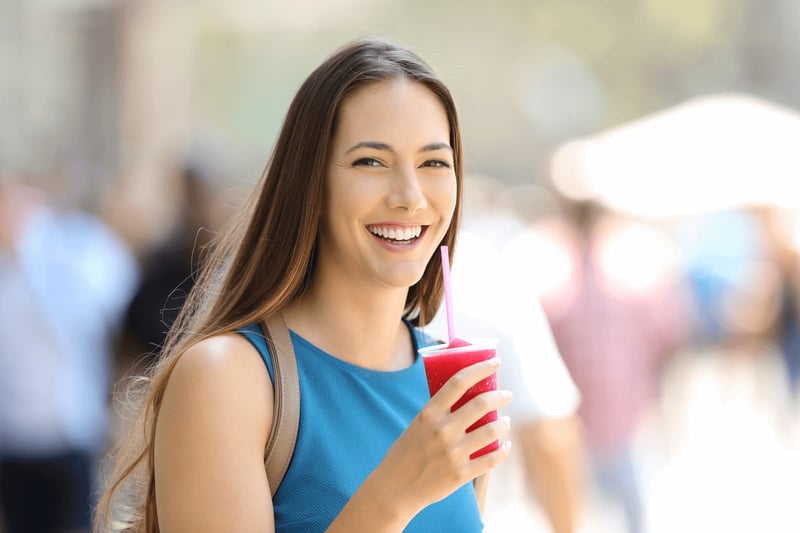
[396, 247]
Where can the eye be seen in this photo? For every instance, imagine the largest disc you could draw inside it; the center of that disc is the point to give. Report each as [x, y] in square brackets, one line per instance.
[436, 163]
[367, 162]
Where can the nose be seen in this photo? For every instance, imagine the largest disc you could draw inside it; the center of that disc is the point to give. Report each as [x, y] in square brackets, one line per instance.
[407, 192]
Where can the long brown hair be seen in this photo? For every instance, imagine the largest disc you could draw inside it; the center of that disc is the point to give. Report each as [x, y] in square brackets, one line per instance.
[266, 259]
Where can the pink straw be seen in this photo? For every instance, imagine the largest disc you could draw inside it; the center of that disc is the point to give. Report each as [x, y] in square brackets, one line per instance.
[448, 294]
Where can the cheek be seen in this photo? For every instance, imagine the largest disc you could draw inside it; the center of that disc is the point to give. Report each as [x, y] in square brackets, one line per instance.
[338, 191]
[348, 200]
[442, 195]
[357, 198]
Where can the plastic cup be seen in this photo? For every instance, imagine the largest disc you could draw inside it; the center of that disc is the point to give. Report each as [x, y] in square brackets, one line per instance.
[441, 362]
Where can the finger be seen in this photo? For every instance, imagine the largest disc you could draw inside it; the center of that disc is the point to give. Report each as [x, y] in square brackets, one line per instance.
[462, 380]
[485, 435]
[481, 465]
[479, 406]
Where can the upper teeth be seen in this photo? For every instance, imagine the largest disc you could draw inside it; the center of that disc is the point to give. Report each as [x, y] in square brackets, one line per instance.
[397, 234]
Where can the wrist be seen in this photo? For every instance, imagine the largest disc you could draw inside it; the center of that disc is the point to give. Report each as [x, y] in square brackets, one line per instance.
[389, 503]
[373, 507]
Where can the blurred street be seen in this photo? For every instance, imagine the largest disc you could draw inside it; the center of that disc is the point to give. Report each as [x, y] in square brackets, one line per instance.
[721, 453]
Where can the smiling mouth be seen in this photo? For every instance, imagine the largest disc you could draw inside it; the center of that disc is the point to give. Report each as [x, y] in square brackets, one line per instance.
[396, 235]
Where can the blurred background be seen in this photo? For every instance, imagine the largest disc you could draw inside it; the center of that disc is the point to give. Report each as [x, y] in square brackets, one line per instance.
[641, 155]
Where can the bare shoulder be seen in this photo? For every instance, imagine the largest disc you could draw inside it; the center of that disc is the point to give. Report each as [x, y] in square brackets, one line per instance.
[227, 356]
[227, 367]
[212, 427]
[221, 373]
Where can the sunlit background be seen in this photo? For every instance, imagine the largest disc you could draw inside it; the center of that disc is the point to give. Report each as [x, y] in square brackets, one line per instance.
[680, 116]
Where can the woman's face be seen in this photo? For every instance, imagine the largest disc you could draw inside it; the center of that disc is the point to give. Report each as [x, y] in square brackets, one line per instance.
[390, 191]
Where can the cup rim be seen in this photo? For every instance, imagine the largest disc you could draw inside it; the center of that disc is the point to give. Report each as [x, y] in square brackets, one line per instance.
[437, 349]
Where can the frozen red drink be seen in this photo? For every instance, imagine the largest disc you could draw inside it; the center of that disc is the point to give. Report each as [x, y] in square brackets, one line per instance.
[443, 360]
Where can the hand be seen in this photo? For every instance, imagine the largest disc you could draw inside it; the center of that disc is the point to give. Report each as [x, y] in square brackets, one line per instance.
[431, 459]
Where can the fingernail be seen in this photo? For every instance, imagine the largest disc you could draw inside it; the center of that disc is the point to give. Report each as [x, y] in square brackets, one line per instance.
[507, 445]
[494, 361]
[508, 394]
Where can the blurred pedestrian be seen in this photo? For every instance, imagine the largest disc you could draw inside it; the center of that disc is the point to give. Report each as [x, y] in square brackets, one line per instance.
[65, 278]
[782, 255]
[614, 301]
[733, 281]
[169, 268]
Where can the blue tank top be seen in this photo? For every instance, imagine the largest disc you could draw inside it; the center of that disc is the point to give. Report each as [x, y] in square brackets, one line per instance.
[349, 418]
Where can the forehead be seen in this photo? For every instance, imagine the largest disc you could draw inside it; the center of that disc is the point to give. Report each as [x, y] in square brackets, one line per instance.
[394, 109]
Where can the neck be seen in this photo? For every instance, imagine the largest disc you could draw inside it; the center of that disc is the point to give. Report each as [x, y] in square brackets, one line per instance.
[358, 324]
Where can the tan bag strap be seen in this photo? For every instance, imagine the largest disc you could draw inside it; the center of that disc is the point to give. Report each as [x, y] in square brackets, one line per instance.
[286, 413]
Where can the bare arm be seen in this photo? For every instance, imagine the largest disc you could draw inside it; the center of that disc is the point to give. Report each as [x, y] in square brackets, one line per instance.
[210, 438]
[481, 486]
[553, 459]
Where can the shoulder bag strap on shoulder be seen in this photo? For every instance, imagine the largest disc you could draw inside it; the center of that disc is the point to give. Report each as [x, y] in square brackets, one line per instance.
[286, 413]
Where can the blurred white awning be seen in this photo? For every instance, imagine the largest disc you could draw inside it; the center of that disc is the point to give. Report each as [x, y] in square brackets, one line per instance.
[708, 153]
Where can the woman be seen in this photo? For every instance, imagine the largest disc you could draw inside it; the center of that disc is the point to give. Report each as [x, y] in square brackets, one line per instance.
[341, 239]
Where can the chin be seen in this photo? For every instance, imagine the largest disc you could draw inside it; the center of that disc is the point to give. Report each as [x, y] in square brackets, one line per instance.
[402, 278]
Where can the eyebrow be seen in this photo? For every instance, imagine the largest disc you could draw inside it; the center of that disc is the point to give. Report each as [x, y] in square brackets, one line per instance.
[387, 148]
